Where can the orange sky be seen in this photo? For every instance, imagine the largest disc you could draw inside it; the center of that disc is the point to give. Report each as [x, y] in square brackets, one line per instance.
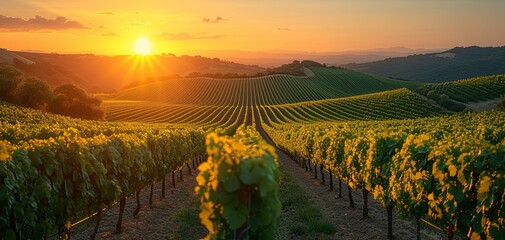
[184, 27]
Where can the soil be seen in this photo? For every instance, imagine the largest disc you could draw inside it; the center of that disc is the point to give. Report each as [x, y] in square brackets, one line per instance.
[158, 221]
[484, 105]
[337, 210]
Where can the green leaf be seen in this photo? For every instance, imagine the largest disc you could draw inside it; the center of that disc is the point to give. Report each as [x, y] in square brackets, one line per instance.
[250, 173]
[265, 216]
[496, 232]
[222, 173]
[236, 217]
[265, 187]
[225, 198]
[232, 184]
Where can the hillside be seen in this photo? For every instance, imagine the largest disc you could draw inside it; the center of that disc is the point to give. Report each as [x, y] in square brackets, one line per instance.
[272, 89]
[331, 94]
[272, 58]
[167, 119]
[394, 104]
[469, 90]
[99, 73]
[454, 64]
[10, 57]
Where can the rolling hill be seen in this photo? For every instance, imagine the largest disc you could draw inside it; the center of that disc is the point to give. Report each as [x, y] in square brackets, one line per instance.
[454, 64]
[99, 73]
[470, 90]
[272, 89]
[329, 94]
[322, 118]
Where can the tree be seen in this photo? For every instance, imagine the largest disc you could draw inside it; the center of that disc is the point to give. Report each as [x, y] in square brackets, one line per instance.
[32, 93]
[9, 80]
[72, 101]
[194, 75]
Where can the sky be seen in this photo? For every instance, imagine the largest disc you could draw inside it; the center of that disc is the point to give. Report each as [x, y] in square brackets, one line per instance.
[111, 27]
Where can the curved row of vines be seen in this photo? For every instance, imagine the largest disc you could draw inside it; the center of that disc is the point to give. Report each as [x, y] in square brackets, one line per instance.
[449, 170]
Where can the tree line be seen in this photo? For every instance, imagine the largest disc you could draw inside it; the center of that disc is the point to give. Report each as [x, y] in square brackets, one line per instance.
[67, 99]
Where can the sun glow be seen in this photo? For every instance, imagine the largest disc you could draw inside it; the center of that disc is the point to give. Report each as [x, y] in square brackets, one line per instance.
[142, 46]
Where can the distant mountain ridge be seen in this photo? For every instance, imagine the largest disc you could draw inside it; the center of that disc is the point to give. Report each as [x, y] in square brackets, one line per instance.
[454, 64]
[272, 58]
[98, 73]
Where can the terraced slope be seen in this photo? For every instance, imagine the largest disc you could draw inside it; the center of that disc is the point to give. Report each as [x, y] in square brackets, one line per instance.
[273, 89]
[470, 90]
[226, 103]
[180, 114]
[329, 94]
[394, 104]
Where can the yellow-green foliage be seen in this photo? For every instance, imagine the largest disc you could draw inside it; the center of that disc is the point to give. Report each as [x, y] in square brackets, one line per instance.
[56, 170]
[238, 187]
[450, 170]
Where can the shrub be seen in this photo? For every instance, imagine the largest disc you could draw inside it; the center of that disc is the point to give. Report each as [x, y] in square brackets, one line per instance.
[72, 101]
[10, 77]
[32, 93]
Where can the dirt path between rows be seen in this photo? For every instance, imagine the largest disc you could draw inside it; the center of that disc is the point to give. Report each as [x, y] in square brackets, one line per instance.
[484, 105]
[158, 221]
[337, 210]
[347, 220]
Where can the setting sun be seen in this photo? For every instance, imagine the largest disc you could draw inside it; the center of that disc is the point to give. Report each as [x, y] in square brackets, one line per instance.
[142, 46]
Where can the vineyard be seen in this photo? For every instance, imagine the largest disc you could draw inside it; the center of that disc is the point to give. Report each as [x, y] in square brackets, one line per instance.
[56, 170]
[378, 135]
[471, 90]
[273, 89]
[448, 170]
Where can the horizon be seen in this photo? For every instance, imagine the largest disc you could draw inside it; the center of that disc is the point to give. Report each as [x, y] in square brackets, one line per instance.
[292, 26]
[275, 51]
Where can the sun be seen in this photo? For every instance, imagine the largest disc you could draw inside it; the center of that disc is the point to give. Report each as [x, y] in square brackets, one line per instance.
[142, 46]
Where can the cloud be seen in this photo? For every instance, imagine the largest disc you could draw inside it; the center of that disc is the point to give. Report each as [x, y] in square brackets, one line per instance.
[110, 34]
[218, 19]
[187, 36]
[283, 29]
[107, 13]
[38, 23]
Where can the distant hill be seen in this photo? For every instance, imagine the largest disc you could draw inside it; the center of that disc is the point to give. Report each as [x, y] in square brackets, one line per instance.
[99, 73]
[450, 65]
[273, 58]
[9, 57]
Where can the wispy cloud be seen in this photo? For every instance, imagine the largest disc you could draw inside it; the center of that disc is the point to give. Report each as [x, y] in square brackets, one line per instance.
[218, 19]
[107, 13]
[187, 36]
[283, 29]
[38, 23]
[110, 34]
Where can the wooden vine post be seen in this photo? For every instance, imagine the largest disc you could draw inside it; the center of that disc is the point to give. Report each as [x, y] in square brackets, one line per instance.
[122, 203]
[331, 179]
[365, 203]
[137, 210]
[351, 201]
[390, 221]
